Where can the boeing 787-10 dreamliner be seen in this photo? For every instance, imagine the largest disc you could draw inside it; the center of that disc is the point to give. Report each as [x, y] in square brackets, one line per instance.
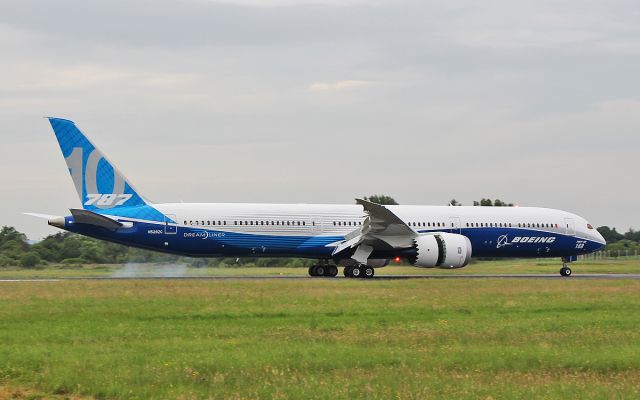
[361, 237]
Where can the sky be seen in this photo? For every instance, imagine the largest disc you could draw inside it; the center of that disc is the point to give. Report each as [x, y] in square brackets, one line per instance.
[310, 101]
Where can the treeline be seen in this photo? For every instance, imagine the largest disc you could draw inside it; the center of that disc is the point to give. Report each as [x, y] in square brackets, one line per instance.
[74, 250]
[484, 203]
[621, 243]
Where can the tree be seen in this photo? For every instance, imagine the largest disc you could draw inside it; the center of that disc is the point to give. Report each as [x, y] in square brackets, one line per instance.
[17, 240]
[381, 199]
[29, 260]
[610, 235]
[632, 235]
[488, 203]
[454, 203]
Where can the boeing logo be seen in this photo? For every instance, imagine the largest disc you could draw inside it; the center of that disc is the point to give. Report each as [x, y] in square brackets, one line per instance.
[533, 239]
[504, 240]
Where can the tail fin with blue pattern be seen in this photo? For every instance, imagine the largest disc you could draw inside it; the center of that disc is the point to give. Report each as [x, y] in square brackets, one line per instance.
[100, 186]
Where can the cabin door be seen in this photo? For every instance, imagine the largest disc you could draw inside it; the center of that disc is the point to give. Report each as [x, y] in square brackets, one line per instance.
[170, 224]
[570, 225]
[455, 225]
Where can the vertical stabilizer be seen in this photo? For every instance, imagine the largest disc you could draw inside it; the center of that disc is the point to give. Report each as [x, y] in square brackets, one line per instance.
[100, 186]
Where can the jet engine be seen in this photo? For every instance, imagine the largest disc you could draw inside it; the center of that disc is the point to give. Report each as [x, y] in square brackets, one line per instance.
[442, 250]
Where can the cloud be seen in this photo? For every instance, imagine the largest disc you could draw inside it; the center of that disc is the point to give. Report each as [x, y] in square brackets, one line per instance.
[338, 85]
[535, 102]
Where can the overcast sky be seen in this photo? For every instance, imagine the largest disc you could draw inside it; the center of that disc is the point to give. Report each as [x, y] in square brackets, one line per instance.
[534, 102]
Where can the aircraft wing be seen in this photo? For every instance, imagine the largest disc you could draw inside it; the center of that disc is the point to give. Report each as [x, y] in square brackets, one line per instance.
[382, 229]
[383, 222]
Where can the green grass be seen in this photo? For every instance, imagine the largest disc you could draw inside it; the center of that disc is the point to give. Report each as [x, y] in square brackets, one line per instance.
[511, 266]
[322, 339]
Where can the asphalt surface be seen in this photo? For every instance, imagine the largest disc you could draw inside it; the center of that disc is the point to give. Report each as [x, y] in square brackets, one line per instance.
[381, 277]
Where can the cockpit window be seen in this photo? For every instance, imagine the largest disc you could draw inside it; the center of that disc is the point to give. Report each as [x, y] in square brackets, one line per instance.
[589, 226]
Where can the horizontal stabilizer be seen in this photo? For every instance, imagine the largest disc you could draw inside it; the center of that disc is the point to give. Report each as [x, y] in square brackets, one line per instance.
[43, 216]
[90, 218]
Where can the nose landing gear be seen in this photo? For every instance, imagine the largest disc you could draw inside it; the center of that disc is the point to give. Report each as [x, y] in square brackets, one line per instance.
[565, 270]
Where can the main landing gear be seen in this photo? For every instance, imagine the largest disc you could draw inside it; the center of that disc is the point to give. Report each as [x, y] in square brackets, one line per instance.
[323, 270]
[359, 271]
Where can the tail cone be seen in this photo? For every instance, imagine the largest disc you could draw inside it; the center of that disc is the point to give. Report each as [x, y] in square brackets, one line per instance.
[57, 222]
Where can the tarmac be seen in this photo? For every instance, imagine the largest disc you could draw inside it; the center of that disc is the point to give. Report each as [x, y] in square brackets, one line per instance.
[376, 278]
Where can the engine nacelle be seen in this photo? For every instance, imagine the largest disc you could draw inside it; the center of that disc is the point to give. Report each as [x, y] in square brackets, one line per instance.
[442, 250]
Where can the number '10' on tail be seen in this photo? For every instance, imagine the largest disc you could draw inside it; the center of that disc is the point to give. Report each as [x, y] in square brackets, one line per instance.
[99, 184]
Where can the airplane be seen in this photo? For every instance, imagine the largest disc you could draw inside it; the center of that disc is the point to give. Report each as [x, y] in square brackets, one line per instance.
[361, 237]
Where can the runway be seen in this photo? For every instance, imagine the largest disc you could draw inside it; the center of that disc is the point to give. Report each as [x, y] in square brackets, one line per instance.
[377, 278]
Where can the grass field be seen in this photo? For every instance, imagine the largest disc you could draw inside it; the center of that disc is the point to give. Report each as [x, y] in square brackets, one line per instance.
[322, 339]
[519, 266]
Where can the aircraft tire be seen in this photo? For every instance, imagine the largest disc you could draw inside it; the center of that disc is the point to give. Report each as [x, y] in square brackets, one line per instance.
[357, 271]
[348, 272]
[565, 271]
[321, 270]
[332, 271]
[368, 272]
[312, 270]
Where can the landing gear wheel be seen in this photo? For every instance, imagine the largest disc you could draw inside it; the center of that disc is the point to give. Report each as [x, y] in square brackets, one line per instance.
[357, 271]
[368, 272]
[312, 270]
[320, 270]
[332, 271]
[565, 271]
[348, 272]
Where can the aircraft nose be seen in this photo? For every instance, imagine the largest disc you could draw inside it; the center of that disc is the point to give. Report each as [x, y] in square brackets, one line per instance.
[600, 239]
